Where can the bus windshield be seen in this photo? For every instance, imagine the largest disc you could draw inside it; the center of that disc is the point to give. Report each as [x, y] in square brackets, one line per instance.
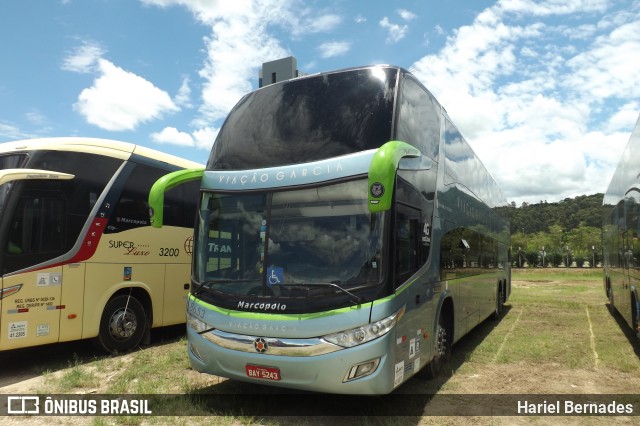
[309, 243]
[308, 119]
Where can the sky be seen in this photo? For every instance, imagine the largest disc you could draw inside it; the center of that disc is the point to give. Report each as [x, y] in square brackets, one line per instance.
[546, 92]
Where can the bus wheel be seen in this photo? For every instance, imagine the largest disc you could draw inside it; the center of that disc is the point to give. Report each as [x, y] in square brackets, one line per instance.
[122, 325]
[499, 303]
[634, 316]
[442, 350]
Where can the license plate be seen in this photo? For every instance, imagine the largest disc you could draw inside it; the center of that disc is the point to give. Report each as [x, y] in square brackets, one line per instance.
[261, 372]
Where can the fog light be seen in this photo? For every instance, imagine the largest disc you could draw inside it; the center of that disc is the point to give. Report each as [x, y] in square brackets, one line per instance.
[363, 369]
[195, 352]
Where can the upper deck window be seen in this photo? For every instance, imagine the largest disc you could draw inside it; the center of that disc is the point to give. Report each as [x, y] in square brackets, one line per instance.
[308, 119]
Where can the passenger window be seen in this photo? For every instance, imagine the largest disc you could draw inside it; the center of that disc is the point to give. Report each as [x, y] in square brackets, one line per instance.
[132, 209]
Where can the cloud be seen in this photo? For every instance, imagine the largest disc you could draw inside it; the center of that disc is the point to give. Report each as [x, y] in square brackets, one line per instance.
[121, 100]
[243, 36]
[183, 98]
[84, 59]
[526, 92]
[406, 15]
[322, 23]
[171, 135]
[202, 138]
[334, 48]
[12, 132]
[395, 31]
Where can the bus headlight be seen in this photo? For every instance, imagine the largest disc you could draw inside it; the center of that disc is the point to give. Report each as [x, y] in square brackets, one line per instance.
[366, 333]
[197, 324]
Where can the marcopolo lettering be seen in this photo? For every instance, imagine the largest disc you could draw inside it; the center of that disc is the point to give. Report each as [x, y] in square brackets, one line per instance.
[262, 306]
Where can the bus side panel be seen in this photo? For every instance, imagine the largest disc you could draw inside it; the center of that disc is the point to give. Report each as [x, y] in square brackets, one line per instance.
[411, 352]
[176, 290]
[72, 299]
[103, 280]
[31, 316]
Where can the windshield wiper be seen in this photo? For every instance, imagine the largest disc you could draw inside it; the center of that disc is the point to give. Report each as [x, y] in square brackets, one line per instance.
[354, 298]
[202, 285]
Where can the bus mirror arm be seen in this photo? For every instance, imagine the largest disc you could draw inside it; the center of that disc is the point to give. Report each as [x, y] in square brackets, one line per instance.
[162, 185]
[382, 173]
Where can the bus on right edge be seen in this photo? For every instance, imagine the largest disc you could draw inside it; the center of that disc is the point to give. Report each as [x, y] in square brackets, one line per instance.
[620, 229]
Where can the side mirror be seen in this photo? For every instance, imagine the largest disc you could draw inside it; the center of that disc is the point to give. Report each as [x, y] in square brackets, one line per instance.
[382, 173]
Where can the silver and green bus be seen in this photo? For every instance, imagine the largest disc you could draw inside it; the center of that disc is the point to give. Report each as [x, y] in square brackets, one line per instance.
[620, 231]
[347, 236]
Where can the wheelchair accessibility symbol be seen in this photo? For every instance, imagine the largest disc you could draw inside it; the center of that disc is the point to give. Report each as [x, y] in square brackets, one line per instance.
[275, 276]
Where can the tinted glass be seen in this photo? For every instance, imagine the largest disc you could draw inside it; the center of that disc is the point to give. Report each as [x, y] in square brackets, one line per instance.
[296, 246]
[12, 161]
[45, 218]
[418, 118]
[462, 166]
[132, 209]
[308, 119]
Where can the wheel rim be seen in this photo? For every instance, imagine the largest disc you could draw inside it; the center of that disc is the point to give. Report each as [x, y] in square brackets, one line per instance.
[123, 324]
[441, 341]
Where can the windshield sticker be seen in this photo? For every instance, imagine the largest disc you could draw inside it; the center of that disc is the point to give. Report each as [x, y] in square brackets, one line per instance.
[275, 275]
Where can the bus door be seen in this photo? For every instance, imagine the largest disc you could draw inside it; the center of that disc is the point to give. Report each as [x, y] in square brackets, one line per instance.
[33, 230]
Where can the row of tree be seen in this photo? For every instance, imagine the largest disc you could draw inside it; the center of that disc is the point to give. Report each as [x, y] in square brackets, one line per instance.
[565, 233]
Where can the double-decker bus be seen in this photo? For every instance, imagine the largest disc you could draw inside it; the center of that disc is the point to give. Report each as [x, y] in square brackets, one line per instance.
[620, 230]
[347, 236]
[78, 258]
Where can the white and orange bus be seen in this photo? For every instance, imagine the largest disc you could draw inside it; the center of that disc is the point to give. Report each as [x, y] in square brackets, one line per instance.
[78, 258]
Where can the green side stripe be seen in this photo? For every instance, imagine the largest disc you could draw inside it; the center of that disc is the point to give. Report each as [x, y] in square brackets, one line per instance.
[165, 183]
[382, 173]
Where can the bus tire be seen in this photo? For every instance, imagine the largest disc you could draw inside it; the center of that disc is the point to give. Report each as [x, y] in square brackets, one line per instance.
[634, 316]
[499, 302]
[443, 337]
[122, 325]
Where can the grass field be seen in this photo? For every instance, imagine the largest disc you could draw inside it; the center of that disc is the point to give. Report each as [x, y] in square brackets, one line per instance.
[557, 337]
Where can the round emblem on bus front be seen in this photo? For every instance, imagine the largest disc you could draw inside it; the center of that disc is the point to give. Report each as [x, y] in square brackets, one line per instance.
[261, 345]
[377, 189]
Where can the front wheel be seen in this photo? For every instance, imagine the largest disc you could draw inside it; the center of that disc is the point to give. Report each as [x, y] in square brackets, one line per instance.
[122, 325]
[443, 337]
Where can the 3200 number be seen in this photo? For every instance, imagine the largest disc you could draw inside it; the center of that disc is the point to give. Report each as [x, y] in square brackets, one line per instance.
[169, 252]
